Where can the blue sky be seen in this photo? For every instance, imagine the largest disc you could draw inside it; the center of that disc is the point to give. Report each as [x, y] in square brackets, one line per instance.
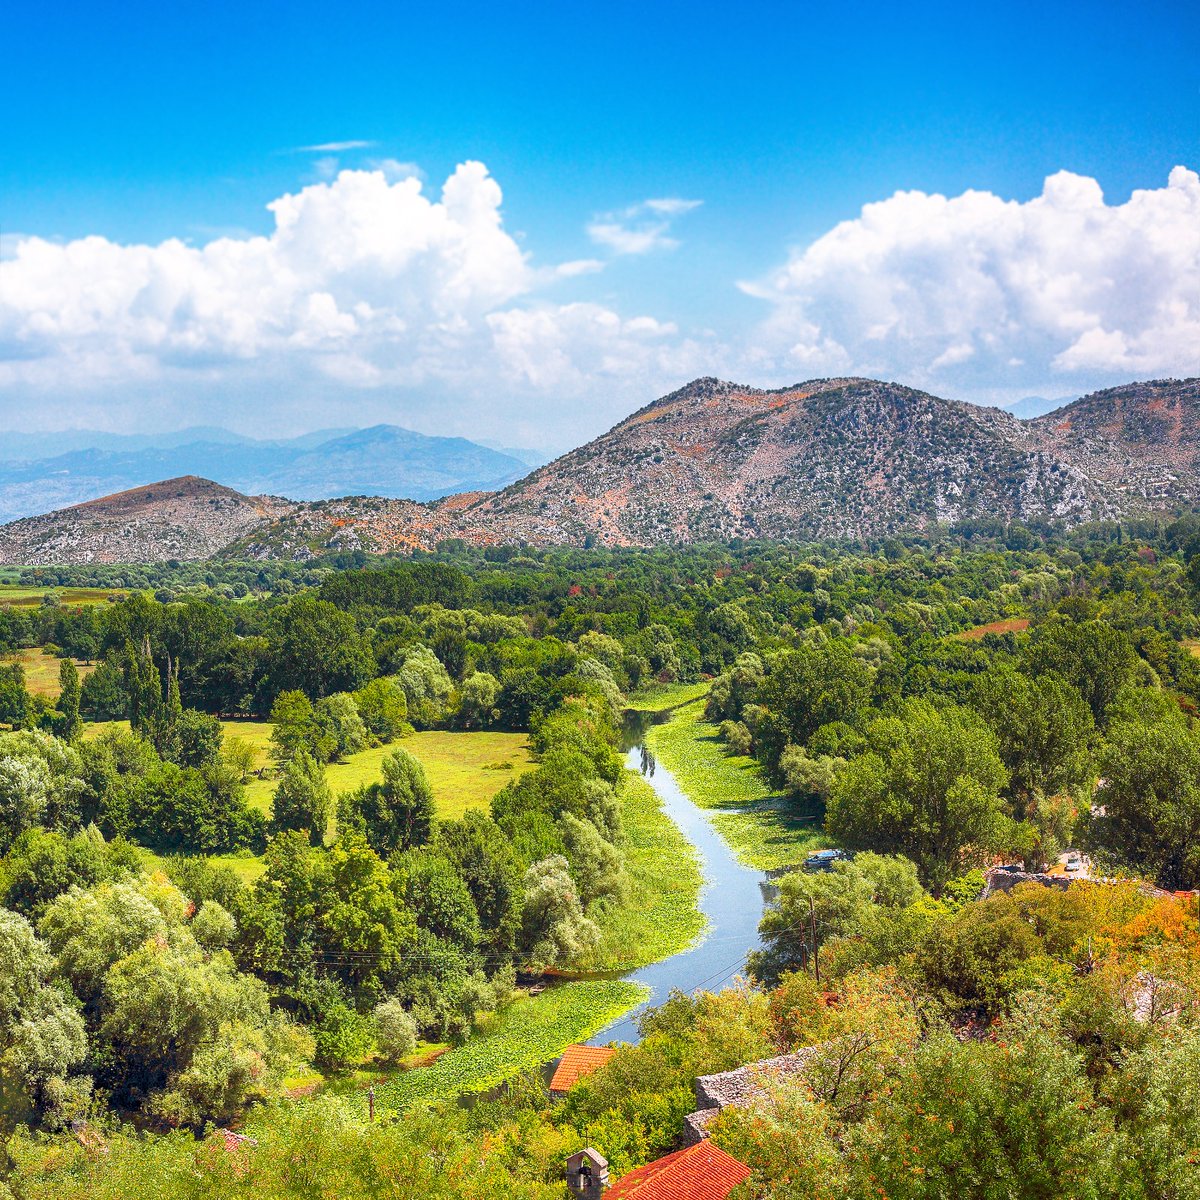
[140, 123]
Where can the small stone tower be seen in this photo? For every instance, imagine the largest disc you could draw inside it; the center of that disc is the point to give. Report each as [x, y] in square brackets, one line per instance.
[587, 1174]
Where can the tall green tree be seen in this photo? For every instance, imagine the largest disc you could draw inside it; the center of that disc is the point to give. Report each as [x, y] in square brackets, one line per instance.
[143, 685]
[928, 787]
[805, 689]
[1150, 802]
[318, 649]
[1043, 727]
[396, 813]
[295, 728]
[303, 799]
[14, 699]
[42, 1035]
[1094, 657]
[69, 690]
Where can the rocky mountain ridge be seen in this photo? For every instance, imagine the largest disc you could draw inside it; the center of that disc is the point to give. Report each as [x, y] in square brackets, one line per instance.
[713, 460]
[185, 518]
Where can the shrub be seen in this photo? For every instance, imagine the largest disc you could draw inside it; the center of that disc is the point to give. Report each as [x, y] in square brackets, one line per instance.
[395, 1031]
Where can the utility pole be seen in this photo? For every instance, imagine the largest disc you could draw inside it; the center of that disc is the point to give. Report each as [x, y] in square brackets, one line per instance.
[812, 928]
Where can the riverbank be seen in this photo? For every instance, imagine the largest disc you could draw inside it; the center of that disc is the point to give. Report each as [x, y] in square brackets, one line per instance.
[659, 920]
[731, 902]
[767, 830]
[661, 914]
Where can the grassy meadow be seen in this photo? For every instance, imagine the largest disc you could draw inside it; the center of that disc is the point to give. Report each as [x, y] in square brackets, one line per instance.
[19, 596]
[41, 670]
[465, 769]
[660, 697]
[766, 830]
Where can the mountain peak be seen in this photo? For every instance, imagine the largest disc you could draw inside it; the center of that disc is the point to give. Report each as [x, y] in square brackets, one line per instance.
[713, 460]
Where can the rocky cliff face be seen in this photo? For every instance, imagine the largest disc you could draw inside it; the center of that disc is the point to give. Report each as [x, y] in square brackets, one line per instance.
[714, 460]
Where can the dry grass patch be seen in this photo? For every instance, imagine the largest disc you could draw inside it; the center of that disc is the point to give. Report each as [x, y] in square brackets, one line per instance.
[1011, 625]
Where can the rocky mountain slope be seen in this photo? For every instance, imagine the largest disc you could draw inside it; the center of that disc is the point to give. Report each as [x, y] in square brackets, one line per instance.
[715, 460]
[1140, 442]
[186, 518]
[829, 458]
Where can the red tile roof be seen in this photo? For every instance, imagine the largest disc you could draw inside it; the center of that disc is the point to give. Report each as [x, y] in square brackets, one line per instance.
[703, 1172]
[576, 1062]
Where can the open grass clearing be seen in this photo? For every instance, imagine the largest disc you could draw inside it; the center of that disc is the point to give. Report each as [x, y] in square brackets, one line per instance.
[19, 596]
[465, 769]
[41, 670]
[529, 1033]
[94, 729]
[247, 867]
[1192, 647]
[765, 829]
[660, 697]
[660, 917]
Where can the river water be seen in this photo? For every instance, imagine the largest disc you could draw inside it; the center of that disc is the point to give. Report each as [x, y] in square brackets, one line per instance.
[731, 898]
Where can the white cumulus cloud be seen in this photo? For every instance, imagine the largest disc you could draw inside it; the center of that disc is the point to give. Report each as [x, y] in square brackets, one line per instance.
[369, 300]
[975, 295]
[376, 298]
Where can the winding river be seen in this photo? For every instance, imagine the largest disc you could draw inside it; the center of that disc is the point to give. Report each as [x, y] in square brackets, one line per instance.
[731, 897]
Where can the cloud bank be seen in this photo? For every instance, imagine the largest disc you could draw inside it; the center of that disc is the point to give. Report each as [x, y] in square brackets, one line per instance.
[375, 299]
[977, 294]
[366, 284]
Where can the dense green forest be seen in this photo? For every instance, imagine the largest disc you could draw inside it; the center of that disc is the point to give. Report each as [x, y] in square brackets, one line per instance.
[193, 937]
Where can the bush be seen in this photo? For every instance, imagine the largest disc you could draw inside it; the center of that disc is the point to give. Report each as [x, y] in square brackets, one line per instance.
[343, 1037]
[737, 737]
[395, 1031]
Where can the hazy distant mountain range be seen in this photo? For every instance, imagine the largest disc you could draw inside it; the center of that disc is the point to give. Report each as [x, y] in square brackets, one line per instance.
[39, 471]
[711, 461]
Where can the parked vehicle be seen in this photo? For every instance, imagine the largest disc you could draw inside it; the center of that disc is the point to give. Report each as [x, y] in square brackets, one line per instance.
[823, 860]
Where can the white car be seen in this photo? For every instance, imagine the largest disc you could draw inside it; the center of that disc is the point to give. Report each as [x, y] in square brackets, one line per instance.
[1074, 861]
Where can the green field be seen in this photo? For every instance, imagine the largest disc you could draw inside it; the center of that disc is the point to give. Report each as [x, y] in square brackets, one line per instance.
[41, 670]
[660, 697]
[465, 769]
[766, 830]
[246, 866]
[29, 597]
